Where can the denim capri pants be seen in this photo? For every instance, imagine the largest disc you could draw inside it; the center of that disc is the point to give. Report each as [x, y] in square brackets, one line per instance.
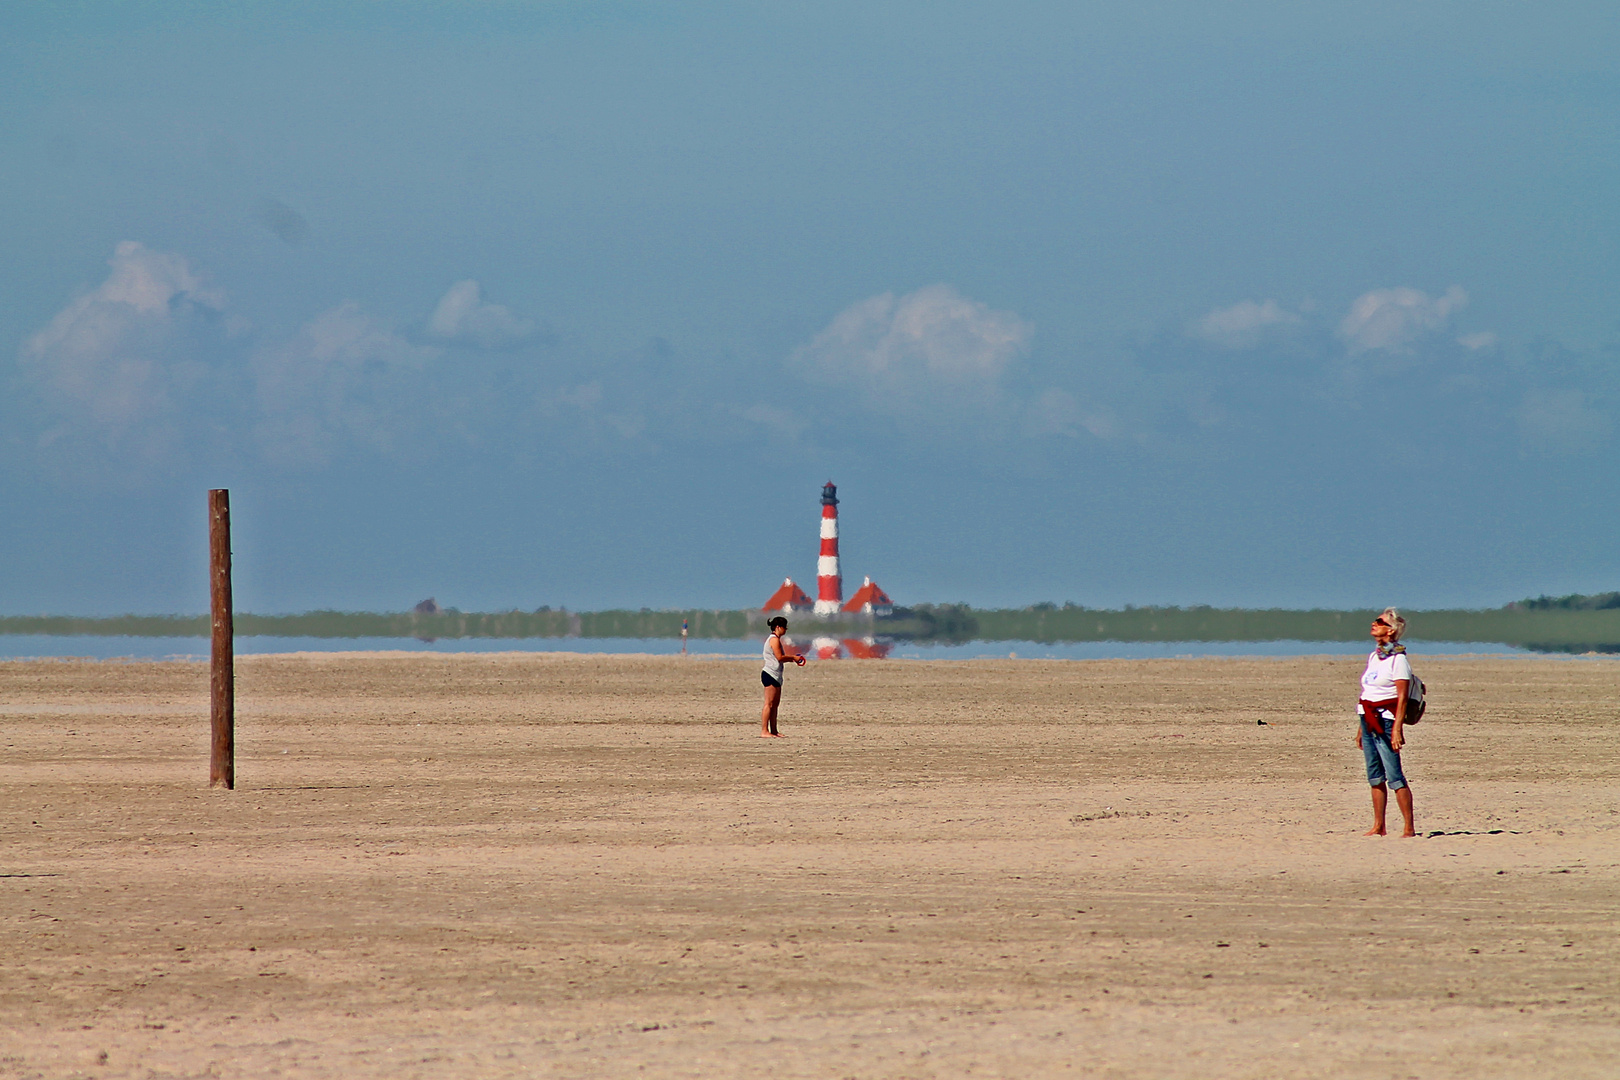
[1383, 760]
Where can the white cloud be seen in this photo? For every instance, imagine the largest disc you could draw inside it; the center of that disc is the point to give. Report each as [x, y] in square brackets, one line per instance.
[113, 364]
[1393, 319]
[1244, 324]
[1476, 342]
[339, 379]
[927, 344]
[463, 316]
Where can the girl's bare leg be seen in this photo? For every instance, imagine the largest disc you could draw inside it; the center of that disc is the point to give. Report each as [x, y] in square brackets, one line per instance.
[767, 715]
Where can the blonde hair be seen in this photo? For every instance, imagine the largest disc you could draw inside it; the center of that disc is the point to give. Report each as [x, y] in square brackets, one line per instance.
[1392, 619]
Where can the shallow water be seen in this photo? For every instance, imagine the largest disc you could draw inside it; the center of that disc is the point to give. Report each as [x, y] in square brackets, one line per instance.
[19, 646]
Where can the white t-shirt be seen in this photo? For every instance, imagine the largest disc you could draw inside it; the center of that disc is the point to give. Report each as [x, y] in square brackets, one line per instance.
[1378, 681]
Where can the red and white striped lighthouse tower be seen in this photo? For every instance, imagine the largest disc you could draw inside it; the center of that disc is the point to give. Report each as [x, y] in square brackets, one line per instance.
[829, 581]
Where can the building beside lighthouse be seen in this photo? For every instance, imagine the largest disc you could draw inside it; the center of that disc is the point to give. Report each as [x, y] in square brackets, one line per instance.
[870, 600]
[829, 578]
[788, 599]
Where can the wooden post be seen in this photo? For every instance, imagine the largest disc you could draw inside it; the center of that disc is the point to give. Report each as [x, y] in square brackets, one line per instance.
[222, 674]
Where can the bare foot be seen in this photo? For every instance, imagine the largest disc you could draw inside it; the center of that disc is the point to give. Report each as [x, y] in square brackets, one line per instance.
[1374, 831]
[1407, 833]
[769, 735]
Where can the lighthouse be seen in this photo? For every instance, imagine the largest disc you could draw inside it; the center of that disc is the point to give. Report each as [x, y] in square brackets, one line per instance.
[829, 580]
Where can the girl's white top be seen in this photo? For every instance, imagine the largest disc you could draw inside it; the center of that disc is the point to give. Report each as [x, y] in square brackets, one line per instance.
[773, 666]
[1378, 681]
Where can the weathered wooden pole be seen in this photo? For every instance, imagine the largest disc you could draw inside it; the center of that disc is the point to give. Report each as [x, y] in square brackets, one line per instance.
[222, 674]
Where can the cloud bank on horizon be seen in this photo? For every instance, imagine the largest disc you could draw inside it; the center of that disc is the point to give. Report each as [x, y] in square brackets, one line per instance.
[1138, 316]
[120, 368]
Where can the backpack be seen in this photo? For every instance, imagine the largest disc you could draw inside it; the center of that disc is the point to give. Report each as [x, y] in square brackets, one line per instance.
[1414, 700]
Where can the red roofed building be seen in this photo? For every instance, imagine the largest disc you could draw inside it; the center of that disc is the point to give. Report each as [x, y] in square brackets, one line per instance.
[789, 598]
[870, 600]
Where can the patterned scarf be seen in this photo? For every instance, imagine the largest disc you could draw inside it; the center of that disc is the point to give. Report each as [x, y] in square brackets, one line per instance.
[1387, 651]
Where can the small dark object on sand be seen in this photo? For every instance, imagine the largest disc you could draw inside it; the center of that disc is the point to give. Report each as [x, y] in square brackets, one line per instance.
[1262, 723]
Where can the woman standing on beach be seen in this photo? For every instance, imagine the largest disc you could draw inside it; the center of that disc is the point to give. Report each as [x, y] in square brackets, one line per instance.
[1383, 715]
[771, 676]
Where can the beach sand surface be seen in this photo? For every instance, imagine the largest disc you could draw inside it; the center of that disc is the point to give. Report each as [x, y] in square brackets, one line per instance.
[531, 865]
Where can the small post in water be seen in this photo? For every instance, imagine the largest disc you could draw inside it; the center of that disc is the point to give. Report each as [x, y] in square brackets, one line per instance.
[222, 672]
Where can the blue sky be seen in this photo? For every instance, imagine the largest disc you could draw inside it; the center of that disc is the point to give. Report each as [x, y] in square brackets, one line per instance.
[579, 304]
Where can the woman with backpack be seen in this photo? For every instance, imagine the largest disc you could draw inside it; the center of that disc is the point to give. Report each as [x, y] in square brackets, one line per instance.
[1384, 688]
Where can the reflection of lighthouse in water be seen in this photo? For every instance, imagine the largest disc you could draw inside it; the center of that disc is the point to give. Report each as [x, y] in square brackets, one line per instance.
[829, 580]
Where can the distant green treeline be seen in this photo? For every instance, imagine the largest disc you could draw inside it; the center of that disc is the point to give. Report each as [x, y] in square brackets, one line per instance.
[1560, 629]
[1566, 624]
[445, 624]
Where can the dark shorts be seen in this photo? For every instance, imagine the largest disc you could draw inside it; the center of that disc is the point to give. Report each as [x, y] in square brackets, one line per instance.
[766, 680]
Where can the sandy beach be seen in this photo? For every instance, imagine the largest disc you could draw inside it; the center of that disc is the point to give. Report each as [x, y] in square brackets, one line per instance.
[526, 865]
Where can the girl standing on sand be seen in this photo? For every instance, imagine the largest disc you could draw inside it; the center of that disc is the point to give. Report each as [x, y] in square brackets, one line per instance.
[1383, 714]
[775, 656]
